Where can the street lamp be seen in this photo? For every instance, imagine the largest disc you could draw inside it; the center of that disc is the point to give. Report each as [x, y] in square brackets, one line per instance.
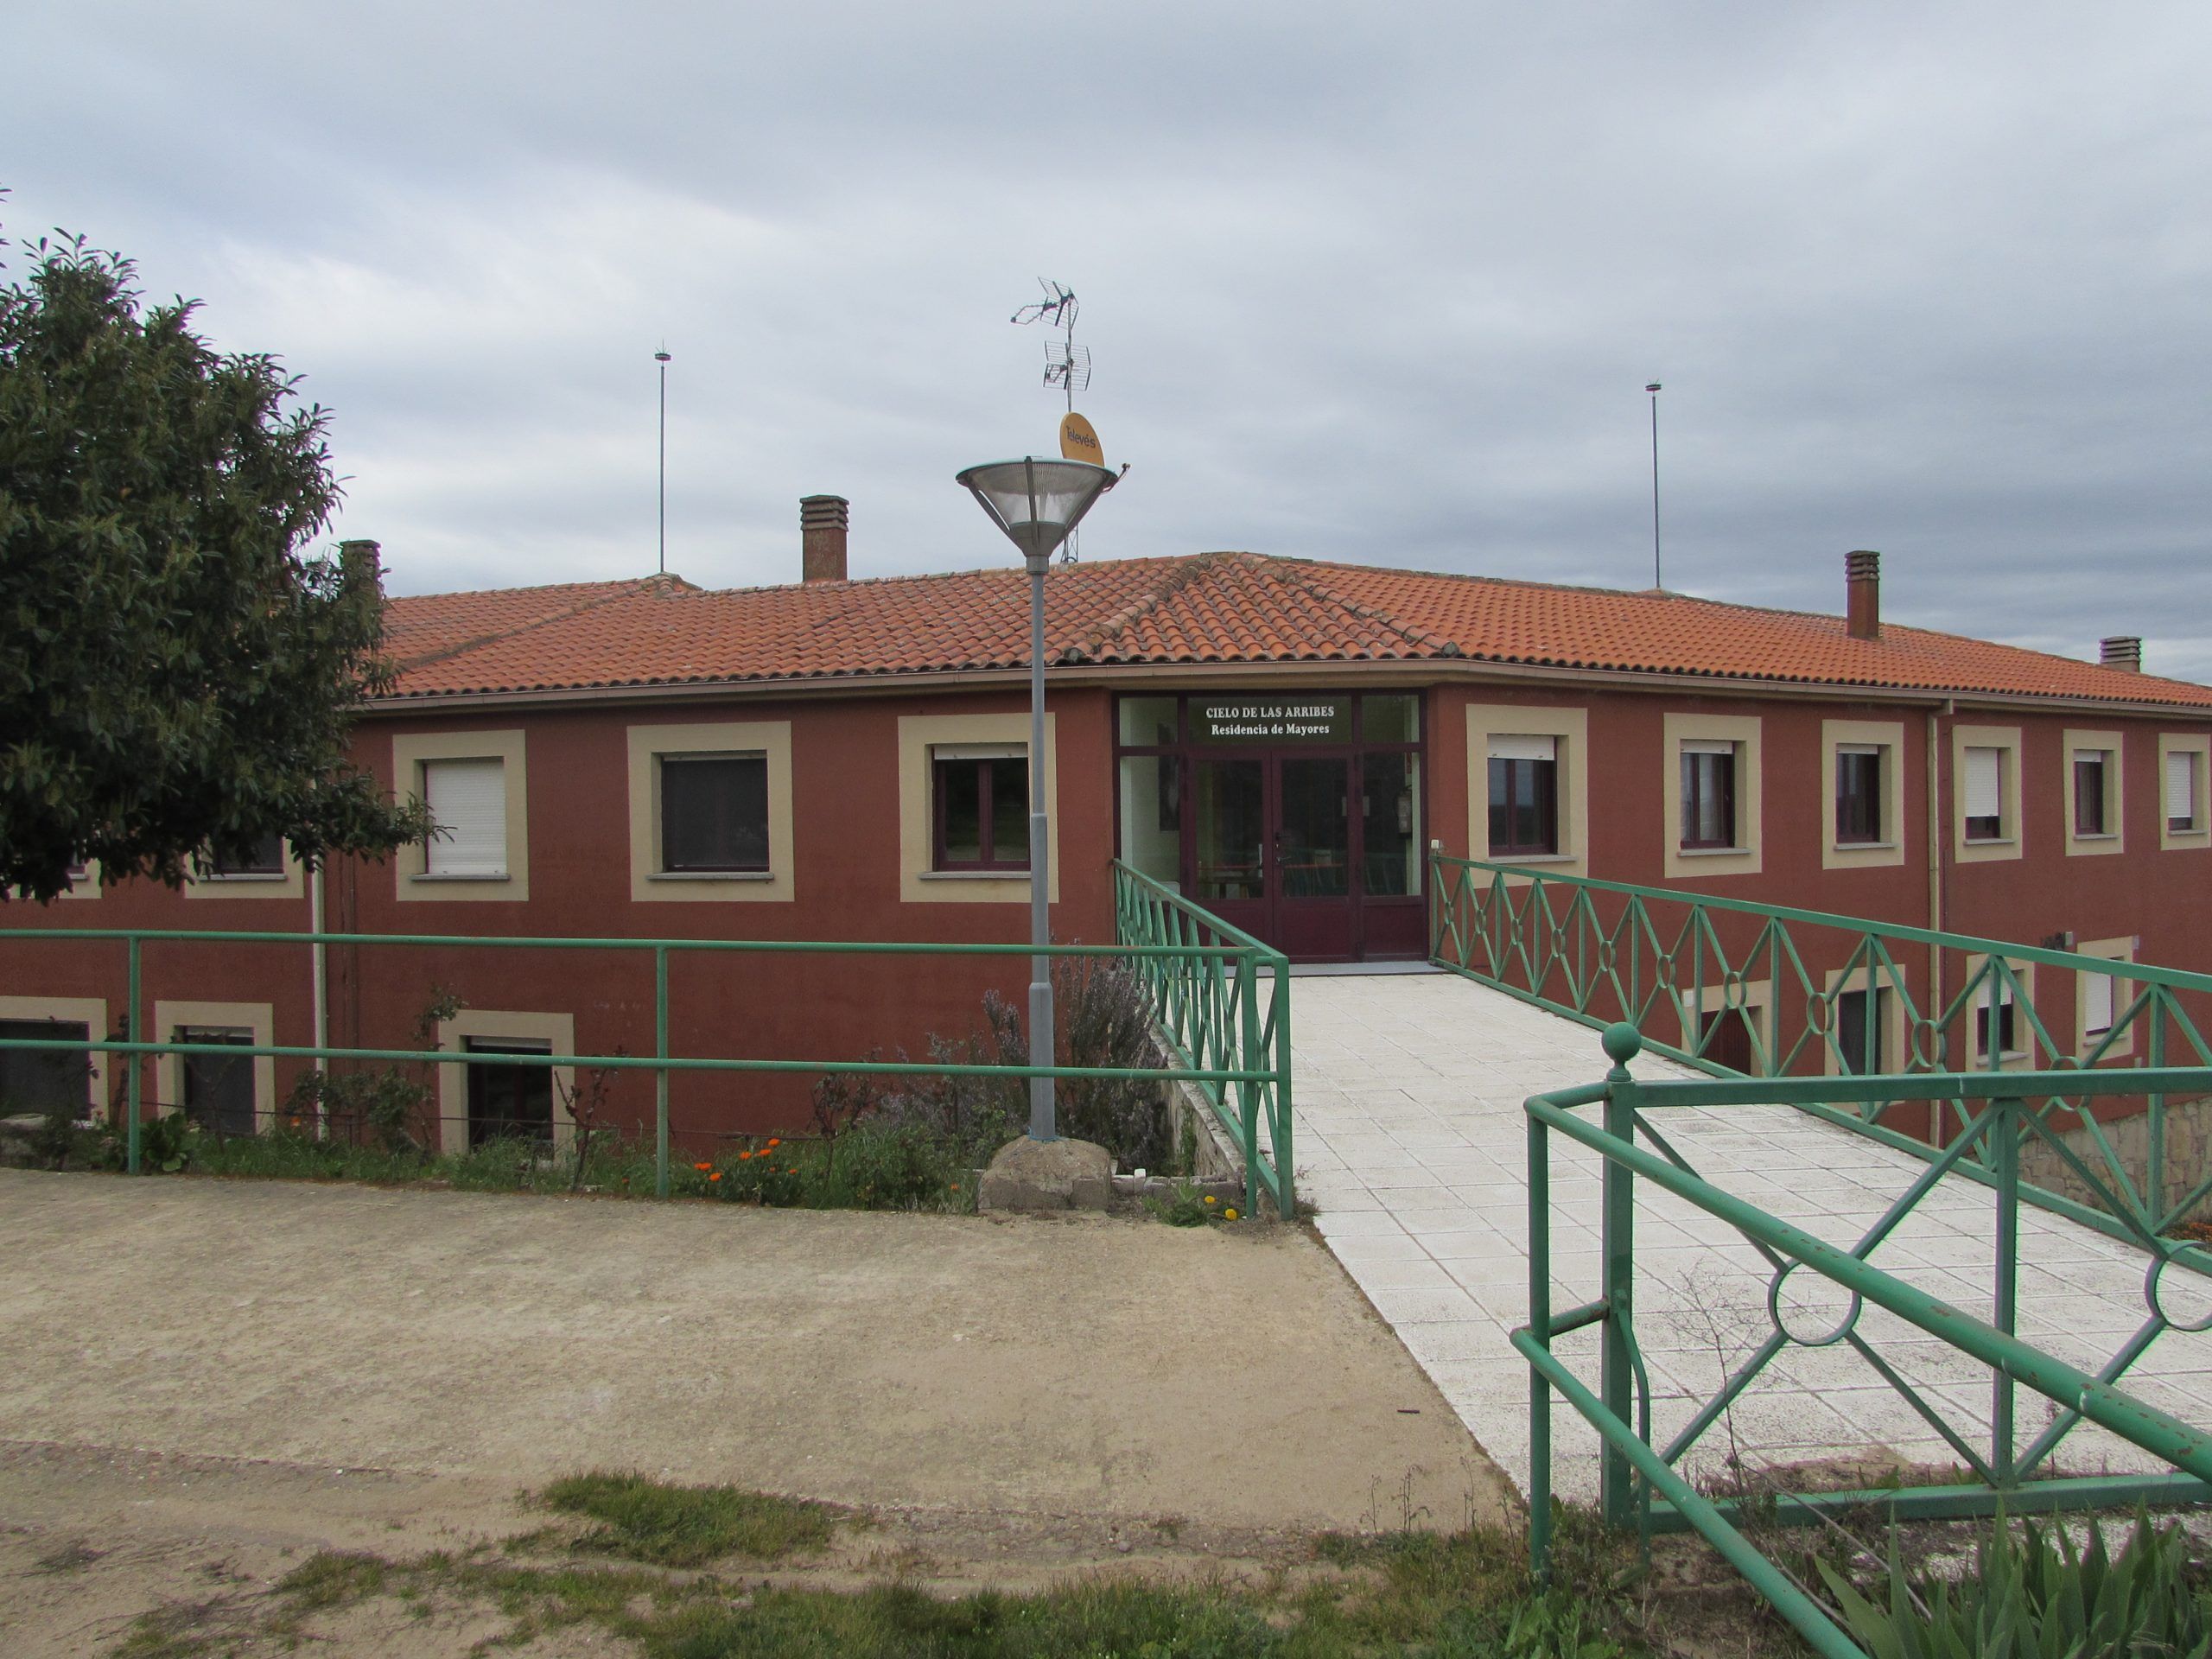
[1037, 500]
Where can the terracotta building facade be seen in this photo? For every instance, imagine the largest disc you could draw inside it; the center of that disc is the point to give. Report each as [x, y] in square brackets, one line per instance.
[1283, 742]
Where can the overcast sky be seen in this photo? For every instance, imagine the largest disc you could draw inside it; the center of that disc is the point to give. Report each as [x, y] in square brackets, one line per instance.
[1381, 284]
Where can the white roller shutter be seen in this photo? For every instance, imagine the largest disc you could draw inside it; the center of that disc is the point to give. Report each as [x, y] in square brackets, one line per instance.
[2096, 1002]
[1505, 747]
[468, 803]
[1985, 799]
[979, 751]
[2181, 786]
[1707, 746]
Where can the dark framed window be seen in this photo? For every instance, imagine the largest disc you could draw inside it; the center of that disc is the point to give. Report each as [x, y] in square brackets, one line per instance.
[218, 1088]
[2091, 767]
[980, 809]
[1985, 794]
[1709, 795]
[44, 1080]
[1859, 1032]
[2007, 1030]
[1523, 797]
[264, 857]
[1858, 796]
[714, 814]
[508, 1103]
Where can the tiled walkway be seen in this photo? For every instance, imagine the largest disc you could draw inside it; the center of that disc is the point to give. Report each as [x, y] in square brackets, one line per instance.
[1413, 1145]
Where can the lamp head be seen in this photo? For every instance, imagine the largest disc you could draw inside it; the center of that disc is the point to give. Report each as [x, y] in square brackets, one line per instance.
[1037, 499]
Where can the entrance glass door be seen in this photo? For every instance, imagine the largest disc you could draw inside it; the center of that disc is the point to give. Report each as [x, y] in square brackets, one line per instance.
[1312, 847]
[1230, 865]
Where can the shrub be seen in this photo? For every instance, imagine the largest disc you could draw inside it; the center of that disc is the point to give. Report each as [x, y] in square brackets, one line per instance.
[2032, 1591]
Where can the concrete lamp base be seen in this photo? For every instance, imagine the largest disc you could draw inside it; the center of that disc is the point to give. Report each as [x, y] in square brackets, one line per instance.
[1029, 1175]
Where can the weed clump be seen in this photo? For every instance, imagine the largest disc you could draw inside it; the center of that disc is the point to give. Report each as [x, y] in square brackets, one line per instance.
[644, 1520]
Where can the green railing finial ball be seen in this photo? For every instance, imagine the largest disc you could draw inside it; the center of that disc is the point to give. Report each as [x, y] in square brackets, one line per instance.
[1622, 1042]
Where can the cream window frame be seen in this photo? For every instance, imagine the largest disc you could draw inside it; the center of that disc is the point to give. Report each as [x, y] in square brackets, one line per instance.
[1756, 1000]
[1896, 1053]
[86, 886]
[1888, 736]
[410, 863]
[2114, 838]
[558, 1029]
[259, 1018]
[2119, 949]
[649, 883]
[919, 735]
[2170, 839]
[2009, 843]
[89, 1011]
[1571, 727]
[1701, 863]
[291, 884]
[2011, 1059]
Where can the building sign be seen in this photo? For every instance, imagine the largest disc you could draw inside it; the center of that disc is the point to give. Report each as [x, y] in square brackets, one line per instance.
[1292, 719]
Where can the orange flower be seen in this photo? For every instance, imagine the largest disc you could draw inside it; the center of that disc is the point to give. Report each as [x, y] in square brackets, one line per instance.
[702, 1168]
[716, 1176]
[743, 1157]
[773, 1141]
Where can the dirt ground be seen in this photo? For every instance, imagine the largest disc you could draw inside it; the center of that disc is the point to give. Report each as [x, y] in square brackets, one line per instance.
[205, 1382]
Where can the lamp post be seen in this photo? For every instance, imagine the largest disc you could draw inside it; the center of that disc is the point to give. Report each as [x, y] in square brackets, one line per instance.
[1037, 500]
[1654, 389]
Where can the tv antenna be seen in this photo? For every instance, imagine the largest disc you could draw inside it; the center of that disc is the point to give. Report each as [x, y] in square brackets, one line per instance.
[1067, 365]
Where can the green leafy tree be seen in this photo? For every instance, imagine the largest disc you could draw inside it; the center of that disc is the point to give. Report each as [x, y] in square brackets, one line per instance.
[177, 675]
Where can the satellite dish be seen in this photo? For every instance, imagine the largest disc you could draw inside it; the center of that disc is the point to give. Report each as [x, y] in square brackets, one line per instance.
[1079, 443]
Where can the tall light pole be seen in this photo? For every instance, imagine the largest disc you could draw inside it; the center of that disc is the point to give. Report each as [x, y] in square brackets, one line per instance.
[1654, 389]
[1037, 500]
[661, 358]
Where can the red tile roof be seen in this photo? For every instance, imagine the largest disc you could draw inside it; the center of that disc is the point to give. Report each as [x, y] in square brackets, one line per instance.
[1205, 608]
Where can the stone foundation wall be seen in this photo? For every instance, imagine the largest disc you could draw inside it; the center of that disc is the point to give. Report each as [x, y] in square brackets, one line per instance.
[2188, 1155]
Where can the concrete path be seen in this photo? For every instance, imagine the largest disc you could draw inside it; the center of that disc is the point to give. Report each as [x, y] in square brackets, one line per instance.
[1081, 1365]
[1412, 1142]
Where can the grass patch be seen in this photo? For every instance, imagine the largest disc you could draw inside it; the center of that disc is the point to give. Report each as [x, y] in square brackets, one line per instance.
[643, 1520]
[332, 1578]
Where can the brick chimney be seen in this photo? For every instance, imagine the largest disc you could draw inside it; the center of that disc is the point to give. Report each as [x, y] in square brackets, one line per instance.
[2123, 652]
[1862, 588]
[822, 525]
[361, 562]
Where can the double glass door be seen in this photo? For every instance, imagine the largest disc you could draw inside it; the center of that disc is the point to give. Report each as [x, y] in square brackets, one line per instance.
[1275, 849]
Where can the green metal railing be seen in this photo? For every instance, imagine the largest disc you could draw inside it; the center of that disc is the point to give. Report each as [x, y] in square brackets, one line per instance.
[1207, 1059]
[1642, 1484]
[1222, 1002]
[1676, 965]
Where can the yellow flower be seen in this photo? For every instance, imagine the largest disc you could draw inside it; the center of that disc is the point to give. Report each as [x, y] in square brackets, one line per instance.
[1229, 1214]
[1211, 1199]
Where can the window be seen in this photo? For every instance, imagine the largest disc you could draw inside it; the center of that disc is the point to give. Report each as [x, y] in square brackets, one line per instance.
[713, 813]
[1859, 818]
[264, 860]
[2103, 999]
[47, 1079]
[2092, 772]
[1997, 1012]
[1858, 1032]
[980, 799]
[1523, 795]
[508, 1103]
[1985, 794]
[1708, 794]
[468, 809]
[216, 1090]
[2184, 767]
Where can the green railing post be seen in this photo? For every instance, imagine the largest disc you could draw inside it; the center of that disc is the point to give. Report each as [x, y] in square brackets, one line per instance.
[1540, 1329]
[1247, 1017]
[1617, 1243]
[135, 1064]
[2004, 1152]
[2154, 1168]
[660, 1076]
[1286, 1181]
